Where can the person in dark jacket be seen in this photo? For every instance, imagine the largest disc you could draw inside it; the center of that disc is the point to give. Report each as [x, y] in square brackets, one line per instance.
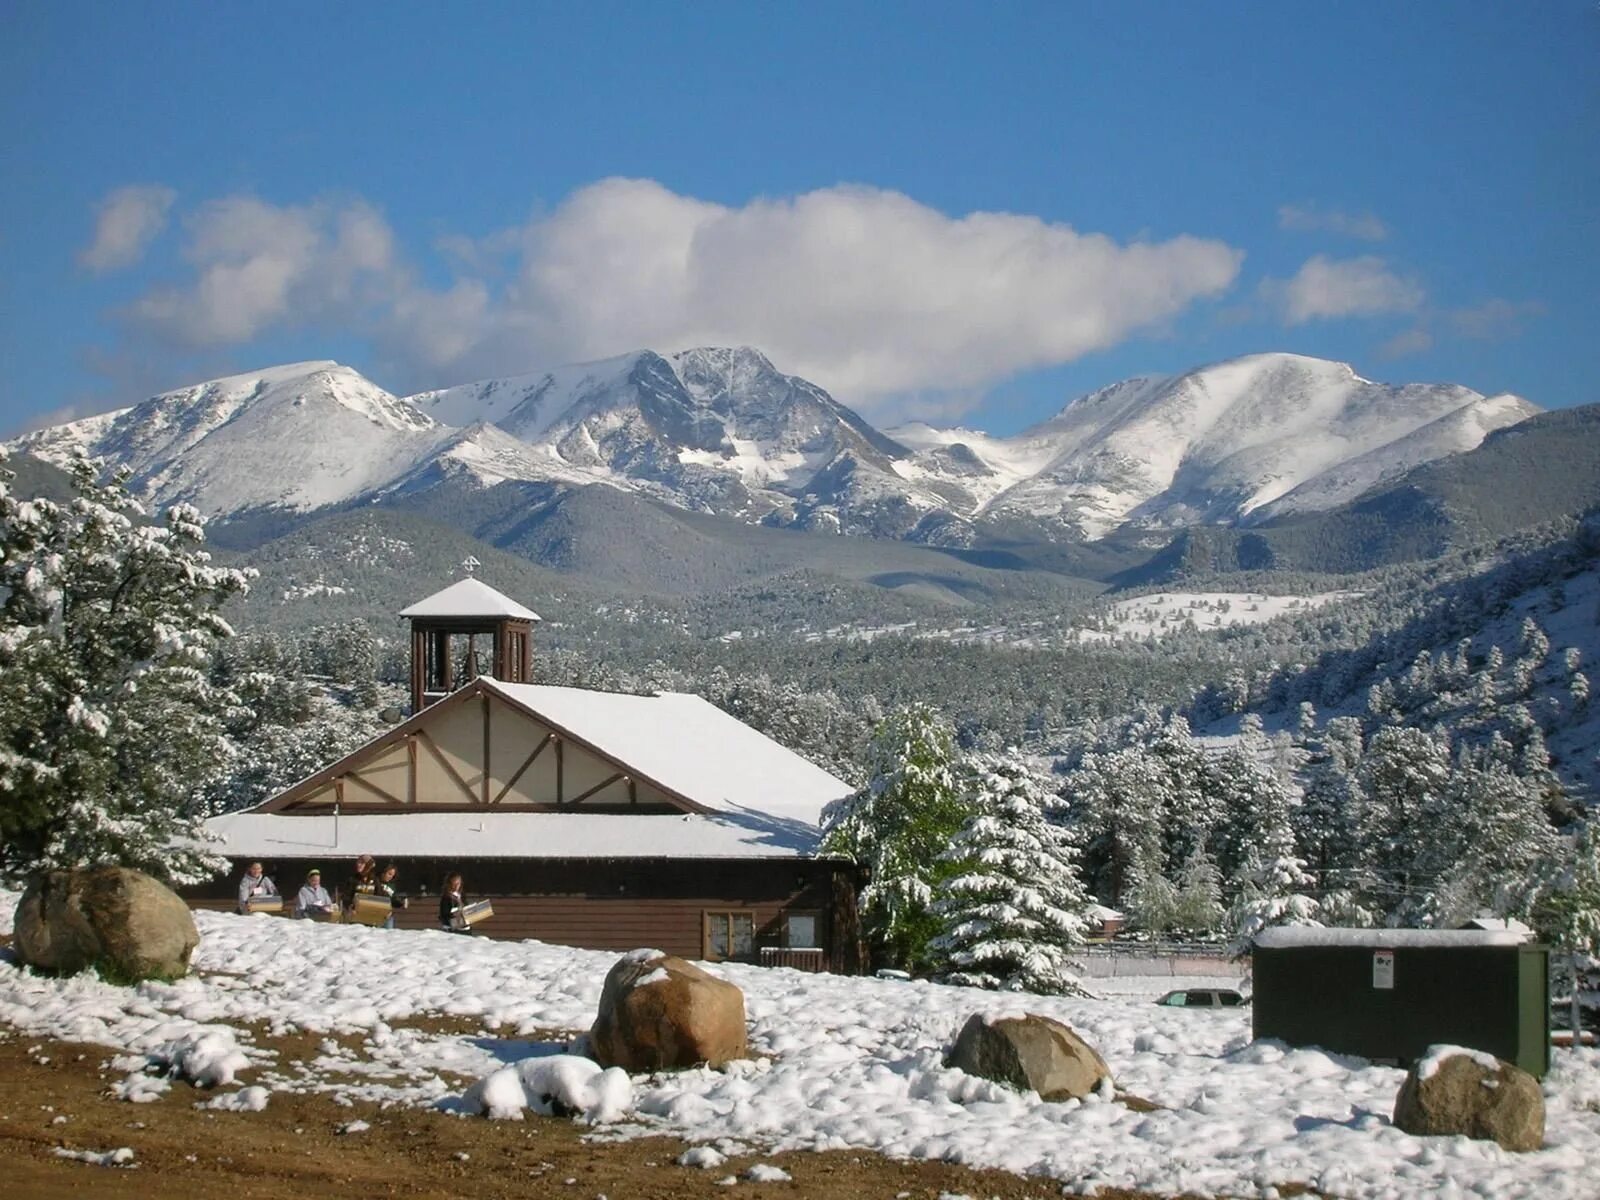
[451, 901]
[360, 882]
[383, 885]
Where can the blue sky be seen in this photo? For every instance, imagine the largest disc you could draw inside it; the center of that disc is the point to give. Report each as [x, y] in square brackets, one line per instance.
[952, 211]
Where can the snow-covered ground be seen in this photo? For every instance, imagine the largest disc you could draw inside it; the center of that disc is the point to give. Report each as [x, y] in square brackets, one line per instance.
[840, 1062]
[1162, 613]
[1130, 619]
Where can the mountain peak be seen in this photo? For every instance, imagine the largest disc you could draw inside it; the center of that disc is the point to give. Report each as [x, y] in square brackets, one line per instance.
[720, 429]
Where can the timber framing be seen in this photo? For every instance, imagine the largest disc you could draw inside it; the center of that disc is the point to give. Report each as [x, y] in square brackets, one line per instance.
[479, 696]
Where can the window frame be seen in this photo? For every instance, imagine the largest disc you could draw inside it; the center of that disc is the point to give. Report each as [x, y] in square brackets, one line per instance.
[816, 929]
[730, 915]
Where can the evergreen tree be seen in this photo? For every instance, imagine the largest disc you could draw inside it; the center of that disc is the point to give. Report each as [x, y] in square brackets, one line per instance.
[1014, 911]
[1410, 835]
[109, 722]
[1274, 891]
[1508, 843]
[1197, 906]
[1256, 804]
[1118, 800]
[898, 827]
[1327, 822]
[1566, 910]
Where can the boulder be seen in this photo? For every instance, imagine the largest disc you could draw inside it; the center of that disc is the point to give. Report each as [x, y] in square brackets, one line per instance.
[131, 926]
[1030, 1053]
[658, 1011]
[1466, 1092]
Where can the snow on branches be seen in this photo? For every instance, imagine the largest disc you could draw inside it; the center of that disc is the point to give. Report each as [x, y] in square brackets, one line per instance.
[897, 826]
[109, 721]
[1014, 911]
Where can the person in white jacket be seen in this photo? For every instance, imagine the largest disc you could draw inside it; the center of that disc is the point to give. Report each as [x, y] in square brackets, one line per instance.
[313, 900]
[255, 883]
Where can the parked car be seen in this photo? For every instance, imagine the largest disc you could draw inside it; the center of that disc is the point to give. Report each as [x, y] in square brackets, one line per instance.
[1202, 998]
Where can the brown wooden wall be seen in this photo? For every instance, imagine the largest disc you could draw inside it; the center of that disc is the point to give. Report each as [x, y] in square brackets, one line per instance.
[599, 904]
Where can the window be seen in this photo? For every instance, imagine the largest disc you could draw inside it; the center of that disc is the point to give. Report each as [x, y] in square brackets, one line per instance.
[1201, 1000]
[729, 935]
[800, 931]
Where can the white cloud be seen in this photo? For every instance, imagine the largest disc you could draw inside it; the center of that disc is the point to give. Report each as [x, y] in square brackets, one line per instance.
[258, 265]
[125, 223]
[866, 291]
[1307, 218]
[1325, 288]
[1411, 341]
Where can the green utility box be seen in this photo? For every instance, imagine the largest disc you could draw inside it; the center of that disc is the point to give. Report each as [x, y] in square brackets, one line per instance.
[1392, 993]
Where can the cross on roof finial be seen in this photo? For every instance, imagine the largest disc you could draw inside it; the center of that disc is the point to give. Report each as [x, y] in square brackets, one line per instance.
[470, 564]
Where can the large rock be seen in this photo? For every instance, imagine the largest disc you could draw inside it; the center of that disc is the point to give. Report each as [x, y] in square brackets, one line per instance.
[129, 925]
[1457, 1091]
[1029, 1053]
[658, 1011]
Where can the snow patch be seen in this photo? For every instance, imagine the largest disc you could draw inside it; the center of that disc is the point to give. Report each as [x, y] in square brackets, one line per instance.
[121, 1157]
[1430, 1063]
[250, 1099]
[560, 1085]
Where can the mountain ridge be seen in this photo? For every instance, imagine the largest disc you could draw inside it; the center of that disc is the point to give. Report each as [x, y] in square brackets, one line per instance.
[720, 430]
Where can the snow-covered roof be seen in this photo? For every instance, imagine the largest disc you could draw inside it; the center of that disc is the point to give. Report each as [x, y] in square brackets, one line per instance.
[476, 833]
[1291, 937]
[1500, 925]
[689, 746]
[469, 598]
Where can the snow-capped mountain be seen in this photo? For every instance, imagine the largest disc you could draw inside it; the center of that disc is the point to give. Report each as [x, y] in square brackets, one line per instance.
[723, 431]
[719, 430]
[1216, 445]
[300, 436]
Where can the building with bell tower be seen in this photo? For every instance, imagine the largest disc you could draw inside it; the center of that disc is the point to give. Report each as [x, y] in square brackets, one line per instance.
[608, 820]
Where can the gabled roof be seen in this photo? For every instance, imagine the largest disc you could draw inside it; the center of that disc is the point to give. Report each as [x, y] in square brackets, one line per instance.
[469, 598]
[686, 745]
[698, 756]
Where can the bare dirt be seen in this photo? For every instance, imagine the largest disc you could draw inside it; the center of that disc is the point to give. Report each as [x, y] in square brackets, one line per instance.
[293, 1149]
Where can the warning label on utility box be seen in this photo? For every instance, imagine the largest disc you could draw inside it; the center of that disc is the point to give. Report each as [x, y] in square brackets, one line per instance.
[1383, 968]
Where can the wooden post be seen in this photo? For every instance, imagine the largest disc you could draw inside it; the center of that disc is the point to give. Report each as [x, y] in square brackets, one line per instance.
[411, 771]
[485, 699]
[419, 662]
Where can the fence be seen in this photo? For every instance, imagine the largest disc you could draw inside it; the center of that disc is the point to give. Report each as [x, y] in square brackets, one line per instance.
[1114, 959]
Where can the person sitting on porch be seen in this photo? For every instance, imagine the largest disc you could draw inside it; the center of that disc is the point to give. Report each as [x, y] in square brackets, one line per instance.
[313, 900]
[255, 883]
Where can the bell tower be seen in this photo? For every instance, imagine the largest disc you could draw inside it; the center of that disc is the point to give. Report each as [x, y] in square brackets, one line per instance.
[446, 629]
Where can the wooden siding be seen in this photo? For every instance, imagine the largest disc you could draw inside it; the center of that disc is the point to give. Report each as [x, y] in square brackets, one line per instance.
[609, 904]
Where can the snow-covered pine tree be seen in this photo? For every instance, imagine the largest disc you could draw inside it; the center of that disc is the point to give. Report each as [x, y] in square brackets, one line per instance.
[898, 826]
[1566, 911]
[109, 722]
[1274, 890]
[1197, 906]
[1410, 836]
[1151, 900]
[1327, 821]
[1014, 912]
[1118, 800]
[1507, 842]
